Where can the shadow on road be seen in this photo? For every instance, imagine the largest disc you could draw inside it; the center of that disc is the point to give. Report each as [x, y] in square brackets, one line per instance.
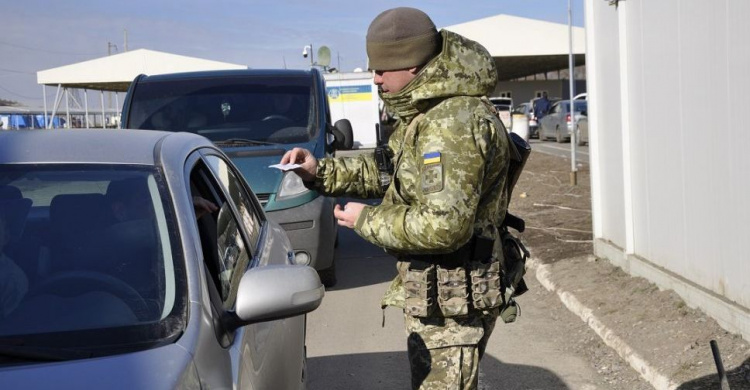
[738, 378]
[390, 370]
[358, 262]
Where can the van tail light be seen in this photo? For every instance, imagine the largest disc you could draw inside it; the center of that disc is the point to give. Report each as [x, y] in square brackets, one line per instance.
[567, 118]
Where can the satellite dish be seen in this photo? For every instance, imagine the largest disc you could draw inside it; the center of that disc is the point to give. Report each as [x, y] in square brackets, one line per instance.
[324, 56]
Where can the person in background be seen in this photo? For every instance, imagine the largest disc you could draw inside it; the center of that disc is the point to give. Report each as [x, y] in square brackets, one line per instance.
[445, 194]
[541, 106]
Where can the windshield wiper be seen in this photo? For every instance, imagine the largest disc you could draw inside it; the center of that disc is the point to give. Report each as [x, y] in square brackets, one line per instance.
[41, 354]
[242, 141]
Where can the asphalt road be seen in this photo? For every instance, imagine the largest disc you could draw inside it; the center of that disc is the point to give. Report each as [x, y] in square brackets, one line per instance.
[348, 348]
[560, 150]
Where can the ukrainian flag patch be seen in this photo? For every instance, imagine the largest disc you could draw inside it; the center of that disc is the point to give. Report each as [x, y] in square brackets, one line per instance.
[431, 158]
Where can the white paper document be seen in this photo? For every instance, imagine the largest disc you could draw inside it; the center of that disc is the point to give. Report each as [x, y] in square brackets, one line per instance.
[285, 167]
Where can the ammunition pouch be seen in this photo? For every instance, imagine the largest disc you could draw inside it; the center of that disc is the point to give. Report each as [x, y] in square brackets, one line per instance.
[453, 283]
[419, 286]
[452, 292]
[486, 284]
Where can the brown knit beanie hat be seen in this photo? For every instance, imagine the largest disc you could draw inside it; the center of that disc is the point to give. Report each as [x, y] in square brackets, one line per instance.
[401, 38]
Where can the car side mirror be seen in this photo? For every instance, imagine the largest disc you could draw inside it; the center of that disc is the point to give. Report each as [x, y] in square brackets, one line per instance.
[275, 292]
[343, 135]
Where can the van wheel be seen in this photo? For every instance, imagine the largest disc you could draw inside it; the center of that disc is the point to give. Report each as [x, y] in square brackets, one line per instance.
[328, 275]
[558, 136]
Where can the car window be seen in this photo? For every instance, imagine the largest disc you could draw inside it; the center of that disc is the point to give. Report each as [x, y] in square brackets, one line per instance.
[234, 186]
[226, 253]
[87, 248]
[259, 108]
[581, 106]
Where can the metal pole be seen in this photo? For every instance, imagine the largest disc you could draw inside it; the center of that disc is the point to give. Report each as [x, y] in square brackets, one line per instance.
[67, 109]
[103, 116]
[44, 96]
[117, 107]
[51, 123]
[86, 102]
[572, 111]
[723, 380]
[312, 54]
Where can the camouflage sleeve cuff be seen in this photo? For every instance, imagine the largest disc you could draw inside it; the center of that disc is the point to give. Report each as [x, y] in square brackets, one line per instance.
[361, 219]
[320, 174]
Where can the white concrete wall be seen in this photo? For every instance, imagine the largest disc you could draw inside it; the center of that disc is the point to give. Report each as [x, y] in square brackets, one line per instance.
[668, 82]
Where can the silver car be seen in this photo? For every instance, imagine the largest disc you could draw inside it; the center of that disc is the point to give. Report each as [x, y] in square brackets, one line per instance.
[115, 274]
[557, 122]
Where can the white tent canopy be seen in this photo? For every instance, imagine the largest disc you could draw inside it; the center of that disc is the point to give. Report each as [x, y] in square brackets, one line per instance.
[116, 72]
[523, 47]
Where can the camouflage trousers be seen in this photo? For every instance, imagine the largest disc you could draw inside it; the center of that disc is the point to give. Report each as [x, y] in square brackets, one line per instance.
[444, 353]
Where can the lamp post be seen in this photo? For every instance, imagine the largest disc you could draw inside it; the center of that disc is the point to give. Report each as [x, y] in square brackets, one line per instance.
[305, 52]
[572, 111]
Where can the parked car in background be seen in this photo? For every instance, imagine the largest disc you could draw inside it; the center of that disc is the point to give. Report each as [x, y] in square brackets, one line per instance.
[557, 122]
[527, 110]
[504, 107]
[582, 129]
[129, 286]
[255, 116]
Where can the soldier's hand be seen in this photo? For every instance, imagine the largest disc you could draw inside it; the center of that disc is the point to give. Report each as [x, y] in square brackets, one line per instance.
[303, 157]
[348, 215]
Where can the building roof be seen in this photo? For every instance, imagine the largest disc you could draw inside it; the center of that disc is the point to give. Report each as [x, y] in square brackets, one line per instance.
[523, 47]
[116, 72]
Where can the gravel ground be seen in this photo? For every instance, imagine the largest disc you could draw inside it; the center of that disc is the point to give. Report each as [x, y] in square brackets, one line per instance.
[659, 327]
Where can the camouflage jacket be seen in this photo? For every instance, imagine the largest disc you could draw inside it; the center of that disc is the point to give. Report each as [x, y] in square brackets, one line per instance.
[450, 157]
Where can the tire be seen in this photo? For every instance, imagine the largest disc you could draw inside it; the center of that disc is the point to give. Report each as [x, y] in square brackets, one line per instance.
[328, 275]
[558, 136]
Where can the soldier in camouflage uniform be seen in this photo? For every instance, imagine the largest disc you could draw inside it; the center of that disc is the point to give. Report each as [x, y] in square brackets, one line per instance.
[447, 191]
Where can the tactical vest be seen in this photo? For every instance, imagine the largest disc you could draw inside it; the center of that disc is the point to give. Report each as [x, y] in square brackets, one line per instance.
[470, 278]
[452, 283]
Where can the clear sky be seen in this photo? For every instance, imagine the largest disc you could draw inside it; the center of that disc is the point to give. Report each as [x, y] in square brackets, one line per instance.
[43, 34]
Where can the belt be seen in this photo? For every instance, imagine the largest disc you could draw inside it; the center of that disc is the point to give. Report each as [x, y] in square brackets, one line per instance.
[475, 248]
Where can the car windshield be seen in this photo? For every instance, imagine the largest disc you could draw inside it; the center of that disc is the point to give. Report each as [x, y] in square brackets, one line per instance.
[86, 258]
[238, 109]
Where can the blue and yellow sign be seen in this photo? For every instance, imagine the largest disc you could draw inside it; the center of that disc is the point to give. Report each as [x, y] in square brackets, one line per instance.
[352, 93]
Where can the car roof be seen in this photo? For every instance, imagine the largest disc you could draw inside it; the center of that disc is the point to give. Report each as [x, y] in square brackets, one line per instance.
[230, 73]
[106, 146]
